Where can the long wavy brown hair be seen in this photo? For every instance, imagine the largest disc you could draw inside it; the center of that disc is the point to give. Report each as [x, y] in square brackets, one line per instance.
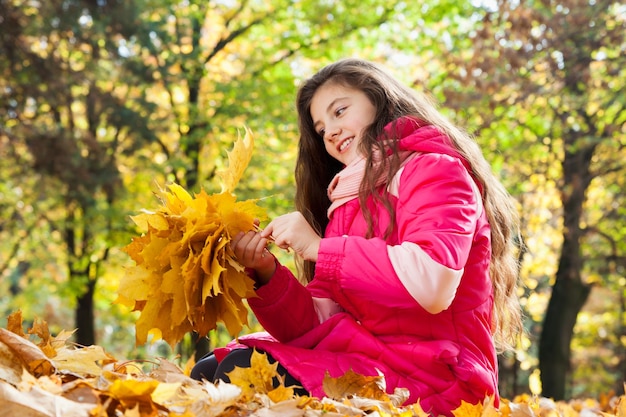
[315, 168]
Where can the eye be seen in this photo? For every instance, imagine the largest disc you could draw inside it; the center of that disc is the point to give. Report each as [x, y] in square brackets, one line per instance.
[321, 133]
[340, 111]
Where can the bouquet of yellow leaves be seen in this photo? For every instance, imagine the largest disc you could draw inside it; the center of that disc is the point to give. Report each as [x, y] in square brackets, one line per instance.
[185, 276]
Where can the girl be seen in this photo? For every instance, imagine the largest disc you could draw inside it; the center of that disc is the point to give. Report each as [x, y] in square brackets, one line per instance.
[413, 277]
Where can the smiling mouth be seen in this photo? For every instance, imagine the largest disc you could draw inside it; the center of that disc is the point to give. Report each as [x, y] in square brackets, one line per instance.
[345, 144]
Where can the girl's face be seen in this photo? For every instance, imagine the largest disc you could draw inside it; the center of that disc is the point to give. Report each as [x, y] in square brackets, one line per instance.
[340, 114]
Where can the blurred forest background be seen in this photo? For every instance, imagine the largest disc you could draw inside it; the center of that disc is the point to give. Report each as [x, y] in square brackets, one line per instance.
[101, 101]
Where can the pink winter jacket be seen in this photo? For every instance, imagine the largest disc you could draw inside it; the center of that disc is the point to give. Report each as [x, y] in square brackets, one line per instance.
[416, 306]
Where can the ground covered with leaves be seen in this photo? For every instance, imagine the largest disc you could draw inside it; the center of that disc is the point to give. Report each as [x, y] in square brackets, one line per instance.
[46, 376]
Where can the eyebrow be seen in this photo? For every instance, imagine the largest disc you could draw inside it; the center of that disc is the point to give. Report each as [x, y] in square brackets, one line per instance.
[328, 108]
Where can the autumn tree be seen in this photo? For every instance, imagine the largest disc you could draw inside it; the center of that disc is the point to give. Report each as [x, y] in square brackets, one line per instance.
[101, 98]
[65, 127]
[551, 78]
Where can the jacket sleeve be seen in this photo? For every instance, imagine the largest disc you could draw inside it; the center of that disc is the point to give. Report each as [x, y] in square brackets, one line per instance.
[284, 307]
[436, 215]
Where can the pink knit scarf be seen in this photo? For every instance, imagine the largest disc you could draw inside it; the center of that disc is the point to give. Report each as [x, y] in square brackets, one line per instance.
[345, 185]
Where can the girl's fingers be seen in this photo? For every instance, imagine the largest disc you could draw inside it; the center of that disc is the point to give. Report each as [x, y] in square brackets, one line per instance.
[261, 247]
[250, 248]
[267, 232]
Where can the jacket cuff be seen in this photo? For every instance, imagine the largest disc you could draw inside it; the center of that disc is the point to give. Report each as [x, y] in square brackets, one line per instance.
[274, 290]
[330, 258]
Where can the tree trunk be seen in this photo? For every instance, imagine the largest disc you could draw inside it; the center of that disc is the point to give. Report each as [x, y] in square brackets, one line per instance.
[621, 350]
[569, 293]
[508, 374]
[84, 319]
[568, 298]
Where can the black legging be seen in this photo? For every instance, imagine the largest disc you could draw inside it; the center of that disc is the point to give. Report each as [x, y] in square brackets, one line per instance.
[210, 369]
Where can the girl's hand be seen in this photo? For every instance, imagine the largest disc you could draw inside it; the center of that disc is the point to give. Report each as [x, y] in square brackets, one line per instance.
[293, 231]
[250, 250]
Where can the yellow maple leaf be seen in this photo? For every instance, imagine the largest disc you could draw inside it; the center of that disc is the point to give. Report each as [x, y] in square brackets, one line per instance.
[185, 275]
[14, 323]
[238, 160]
[468, 410]
[416, 410]
[489, 408]
[40, 329]
[133, 393]
[255, 378]
[352, 383]
[86, 361]
[281, 393]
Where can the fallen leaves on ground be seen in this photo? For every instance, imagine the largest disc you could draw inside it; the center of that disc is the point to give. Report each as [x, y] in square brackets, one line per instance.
[185, 276]
[87, 382]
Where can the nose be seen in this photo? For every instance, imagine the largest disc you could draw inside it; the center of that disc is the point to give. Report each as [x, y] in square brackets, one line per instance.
[332, 133]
